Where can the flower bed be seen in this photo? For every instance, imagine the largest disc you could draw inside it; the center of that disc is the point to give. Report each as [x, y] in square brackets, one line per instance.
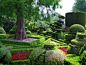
[64, 50]
[20, 55]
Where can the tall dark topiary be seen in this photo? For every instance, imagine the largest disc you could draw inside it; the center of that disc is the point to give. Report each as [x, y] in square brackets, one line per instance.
[75, 18]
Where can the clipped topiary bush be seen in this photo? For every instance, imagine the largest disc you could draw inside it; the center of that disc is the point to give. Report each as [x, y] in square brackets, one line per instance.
[69, 37]
[42, 56]
[3, 51]
[83, 58]
[76, 28]
[75, 18]
[2, 31]
[5, 55]
[7, 58]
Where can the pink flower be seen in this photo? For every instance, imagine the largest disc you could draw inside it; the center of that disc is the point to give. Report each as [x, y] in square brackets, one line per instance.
[64, 50]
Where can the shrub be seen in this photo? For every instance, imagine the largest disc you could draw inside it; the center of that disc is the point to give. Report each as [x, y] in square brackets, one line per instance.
[72, 49]
[3, 51]
[82, 49]
[7, 58]
[2, 31]
[69, 37]
[8, 25]
[72, 60]
[76, 28]
[28, 32]
[75, 18]
[83, 58]
[41, 56]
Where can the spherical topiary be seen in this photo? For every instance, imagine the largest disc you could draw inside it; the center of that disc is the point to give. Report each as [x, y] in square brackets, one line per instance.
[42, 56]
[76, 28]
[2, 31]
[5, 55]
[7, 58]
[3, 51]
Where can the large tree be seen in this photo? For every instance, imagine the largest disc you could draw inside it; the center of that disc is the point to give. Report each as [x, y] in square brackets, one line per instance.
[79, 5]
[24, 9]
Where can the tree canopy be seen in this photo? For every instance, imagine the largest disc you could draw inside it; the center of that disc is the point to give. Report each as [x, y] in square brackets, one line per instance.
[30, 8]
[79, 5]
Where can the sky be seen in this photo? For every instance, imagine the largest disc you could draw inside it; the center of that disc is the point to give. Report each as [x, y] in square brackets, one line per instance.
[67, 6]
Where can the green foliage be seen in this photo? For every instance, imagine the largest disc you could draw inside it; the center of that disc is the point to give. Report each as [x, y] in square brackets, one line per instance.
[83, 58]
[72, 49]
[54, 57]
[2, 31]
[75, 18]
[72, 60]
[30, 25]
[12, 31]
[69, 37]
[21, 62]
[29, 8]
[78, 42]
[3, 51]
[82, 49]
[28, 32]
[76, 28]
[7, 58]
[49, 46]
[79, 5]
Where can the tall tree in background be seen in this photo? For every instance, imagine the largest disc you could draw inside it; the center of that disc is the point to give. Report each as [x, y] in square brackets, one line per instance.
[24, 9]
[79, 5]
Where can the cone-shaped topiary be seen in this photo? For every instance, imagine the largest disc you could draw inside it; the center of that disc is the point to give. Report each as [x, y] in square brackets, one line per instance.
[2, 31]
[76, 28]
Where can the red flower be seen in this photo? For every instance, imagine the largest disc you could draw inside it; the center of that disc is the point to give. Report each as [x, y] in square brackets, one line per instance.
[20, 55]
[64, 50]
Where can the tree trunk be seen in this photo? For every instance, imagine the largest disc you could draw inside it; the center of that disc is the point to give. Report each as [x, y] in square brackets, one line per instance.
[20, 33]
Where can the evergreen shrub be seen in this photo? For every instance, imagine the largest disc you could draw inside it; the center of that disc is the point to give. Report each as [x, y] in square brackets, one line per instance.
[75, 18]
[69, 37]
[76, 28]
[83, 58]
[2, 31]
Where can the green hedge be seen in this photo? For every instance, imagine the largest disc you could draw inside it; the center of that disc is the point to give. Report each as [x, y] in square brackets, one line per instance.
[31, 44]
[78, 43]
[72, 60]
[75, 18]
[2, 31]
[69, 37]
[21, 62]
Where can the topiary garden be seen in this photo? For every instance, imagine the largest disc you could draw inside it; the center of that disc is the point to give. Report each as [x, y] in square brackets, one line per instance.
[46, 45]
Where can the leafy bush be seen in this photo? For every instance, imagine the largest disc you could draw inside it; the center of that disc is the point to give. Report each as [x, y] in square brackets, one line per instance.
[5, 55]
[72, 60]
[7, 58]
[2, 31]
[3, 51]
[8, 25]
[76, 28]
[28, 32]
[83, 58]
[75, 18]
[69, 37]
[82, 49]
